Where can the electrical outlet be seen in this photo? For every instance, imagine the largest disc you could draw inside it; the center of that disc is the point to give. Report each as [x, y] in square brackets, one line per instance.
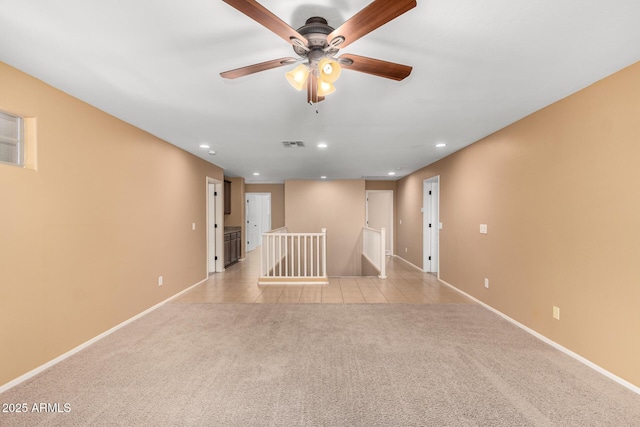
[486, 283]
[193, 225]
[406, 250]
[556, 312]
[160, 281]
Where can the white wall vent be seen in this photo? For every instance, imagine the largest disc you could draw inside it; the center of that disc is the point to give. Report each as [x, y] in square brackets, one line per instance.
[381, 178]
[292, 144]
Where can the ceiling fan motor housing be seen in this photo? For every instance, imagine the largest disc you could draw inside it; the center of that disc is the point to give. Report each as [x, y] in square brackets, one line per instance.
[315, 30]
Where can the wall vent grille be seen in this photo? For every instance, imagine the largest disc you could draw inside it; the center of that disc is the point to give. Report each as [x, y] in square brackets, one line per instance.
[381, 178]
[292, 144]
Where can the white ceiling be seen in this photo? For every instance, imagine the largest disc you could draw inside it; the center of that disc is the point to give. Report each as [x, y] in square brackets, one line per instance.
[477, 67]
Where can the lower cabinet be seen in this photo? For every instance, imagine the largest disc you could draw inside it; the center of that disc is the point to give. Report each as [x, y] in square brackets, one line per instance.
[232, 247]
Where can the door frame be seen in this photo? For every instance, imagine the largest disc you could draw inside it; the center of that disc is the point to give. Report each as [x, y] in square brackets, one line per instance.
[431, 235]
[218, 215]
[390, 250]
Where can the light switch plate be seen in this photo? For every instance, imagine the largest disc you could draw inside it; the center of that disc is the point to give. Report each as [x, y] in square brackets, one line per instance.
[483, 228]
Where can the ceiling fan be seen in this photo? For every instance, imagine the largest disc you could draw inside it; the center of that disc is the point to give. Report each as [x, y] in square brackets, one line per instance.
[316, 44]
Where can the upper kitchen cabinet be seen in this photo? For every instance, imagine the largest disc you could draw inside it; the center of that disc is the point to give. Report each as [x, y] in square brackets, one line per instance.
[227, 197]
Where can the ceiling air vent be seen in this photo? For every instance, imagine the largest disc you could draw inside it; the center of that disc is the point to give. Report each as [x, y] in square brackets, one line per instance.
[381, 178]
[292, 144]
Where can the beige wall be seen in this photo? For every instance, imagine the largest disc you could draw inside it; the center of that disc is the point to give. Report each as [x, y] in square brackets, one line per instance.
[84, 238]
[337, 206]
[560, 193]
[277, 201]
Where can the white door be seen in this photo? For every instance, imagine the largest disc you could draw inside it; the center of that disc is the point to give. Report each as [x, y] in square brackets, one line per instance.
[253, 221]
[379, 214]
[258, 218]
[431, 224]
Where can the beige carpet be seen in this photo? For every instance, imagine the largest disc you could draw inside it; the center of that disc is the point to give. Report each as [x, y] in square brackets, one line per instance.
[323, 365]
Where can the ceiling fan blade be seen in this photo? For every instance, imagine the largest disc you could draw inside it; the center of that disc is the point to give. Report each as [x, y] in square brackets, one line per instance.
[377, 67]
[255, 68]
[262, 15]
[368, 19]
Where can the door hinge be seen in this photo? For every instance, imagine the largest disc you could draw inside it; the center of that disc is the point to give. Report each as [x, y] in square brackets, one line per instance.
[215, 226]
[429, 192]
[429, 257]
[215, 193]
[429, 225]
[215, 258]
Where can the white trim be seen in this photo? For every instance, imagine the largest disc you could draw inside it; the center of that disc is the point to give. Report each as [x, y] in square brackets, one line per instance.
[552, 343]
[411, 264]
[86, 344]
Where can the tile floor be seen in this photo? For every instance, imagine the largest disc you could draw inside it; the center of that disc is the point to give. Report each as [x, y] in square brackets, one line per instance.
[404, 284]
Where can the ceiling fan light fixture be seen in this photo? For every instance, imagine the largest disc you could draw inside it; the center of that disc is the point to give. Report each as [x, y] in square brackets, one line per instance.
[298, 76]
[329, 70]
[325, 88]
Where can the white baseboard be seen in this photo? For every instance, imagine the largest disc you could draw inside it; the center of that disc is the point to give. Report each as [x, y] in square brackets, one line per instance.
[552, 343]
[411, 264]
[86, 344]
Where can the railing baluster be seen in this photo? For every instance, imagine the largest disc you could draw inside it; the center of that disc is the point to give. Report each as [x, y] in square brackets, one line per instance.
[324, 252]
[279, 260]
[383, 253]
[317, 256]
[298, 255]
[288, 259]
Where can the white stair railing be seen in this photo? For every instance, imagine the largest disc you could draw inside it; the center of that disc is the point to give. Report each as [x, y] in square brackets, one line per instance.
[373, 248]
[293, 258]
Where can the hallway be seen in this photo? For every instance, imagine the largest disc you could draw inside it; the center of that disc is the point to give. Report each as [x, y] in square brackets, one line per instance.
[404, 284]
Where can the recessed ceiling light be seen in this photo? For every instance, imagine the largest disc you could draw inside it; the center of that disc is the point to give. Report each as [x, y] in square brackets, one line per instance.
[205, 146]
[211, 152]
[256, 173]
[322, 145]
[392, 173]
[323, 177]
[441, 144]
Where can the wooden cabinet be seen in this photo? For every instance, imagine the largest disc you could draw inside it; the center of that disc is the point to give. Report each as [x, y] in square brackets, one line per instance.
[227, 197]
[232, 247]
[227, 249]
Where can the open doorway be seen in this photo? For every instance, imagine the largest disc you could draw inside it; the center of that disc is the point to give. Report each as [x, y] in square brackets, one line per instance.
[258, 218]
[431, 224]
[215, 227]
